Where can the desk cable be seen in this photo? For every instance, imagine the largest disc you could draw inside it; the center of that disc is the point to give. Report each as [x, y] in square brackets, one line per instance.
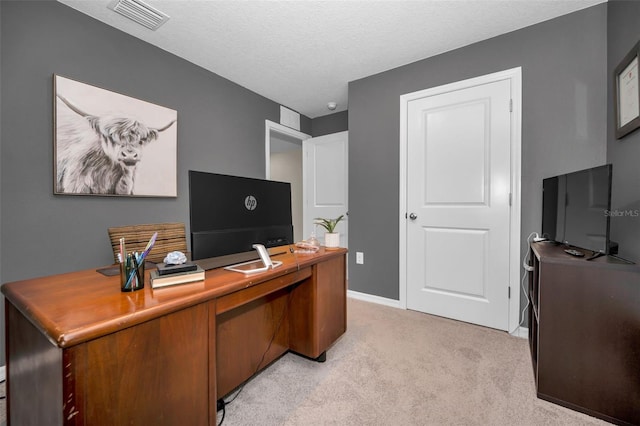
[221, 404]
[528, 269]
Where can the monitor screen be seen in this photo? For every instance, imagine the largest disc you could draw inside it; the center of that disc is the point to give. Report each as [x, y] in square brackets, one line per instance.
[576, 206]
[230, 213]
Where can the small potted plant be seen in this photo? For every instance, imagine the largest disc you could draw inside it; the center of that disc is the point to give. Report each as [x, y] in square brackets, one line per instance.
[331, 237]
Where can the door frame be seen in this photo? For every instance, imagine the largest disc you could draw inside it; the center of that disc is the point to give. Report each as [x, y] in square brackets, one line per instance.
[515, 76]
[270, 126]
[273, 127]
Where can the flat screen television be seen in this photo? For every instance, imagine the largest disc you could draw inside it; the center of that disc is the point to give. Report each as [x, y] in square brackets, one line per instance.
[576, 209]
[228, 214]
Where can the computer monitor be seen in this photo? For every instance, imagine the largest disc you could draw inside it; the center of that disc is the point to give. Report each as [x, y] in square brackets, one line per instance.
[228, 214]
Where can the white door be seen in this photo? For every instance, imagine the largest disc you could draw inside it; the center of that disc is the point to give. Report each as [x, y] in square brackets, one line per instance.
[326, 183]
[458, 204]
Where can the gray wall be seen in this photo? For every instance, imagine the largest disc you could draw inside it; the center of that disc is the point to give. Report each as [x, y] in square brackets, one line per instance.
[331, 123]
[563, 128]
[624, 154]
[220, 129]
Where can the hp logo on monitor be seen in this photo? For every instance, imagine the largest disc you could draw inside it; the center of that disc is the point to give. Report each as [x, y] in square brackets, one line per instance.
[250, 202]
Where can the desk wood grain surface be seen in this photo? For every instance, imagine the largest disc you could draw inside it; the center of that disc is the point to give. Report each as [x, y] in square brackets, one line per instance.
[75, 307]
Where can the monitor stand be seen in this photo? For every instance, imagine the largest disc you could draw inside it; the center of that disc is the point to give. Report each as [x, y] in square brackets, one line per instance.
[253, 267]
[231, 259]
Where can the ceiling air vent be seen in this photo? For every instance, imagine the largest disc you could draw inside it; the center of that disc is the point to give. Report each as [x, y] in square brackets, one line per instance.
[140, 12]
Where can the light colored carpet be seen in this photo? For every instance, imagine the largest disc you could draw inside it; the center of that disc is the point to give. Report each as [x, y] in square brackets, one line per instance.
[396, 367]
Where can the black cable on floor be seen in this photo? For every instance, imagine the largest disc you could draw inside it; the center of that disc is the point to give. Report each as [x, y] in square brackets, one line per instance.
[273, 337]
[223, 413]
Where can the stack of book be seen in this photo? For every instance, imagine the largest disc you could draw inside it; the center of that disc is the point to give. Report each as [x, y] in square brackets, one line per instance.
[167, 275]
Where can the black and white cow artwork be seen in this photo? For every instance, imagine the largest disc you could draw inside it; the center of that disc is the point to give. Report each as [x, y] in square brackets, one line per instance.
[99, 154]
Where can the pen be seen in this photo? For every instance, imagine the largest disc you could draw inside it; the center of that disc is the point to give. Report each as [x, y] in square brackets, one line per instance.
[137, 261]
[128, 267]
[122, 253]
[137, 268]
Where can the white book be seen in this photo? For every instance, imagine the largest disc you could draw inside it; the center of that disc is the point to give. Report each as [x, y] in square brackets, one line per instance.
[173, 279]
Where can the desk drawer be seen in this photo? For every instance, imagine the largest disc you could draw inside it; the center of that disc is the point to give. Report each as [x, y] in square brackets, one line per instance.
[244, 296]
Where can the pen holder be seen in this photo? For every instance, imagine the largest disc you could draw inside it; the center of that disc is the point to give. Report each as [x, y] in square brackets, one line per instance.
[130, 282]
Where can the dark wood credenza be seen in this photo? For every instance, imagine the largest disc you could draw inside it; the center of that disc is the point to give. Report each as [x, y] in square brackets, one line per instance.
[80, 352]
[584, 332]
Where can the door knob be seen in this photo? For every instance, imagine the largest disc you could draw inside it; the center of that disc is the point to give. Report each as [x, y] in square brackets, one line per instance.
[413, 216]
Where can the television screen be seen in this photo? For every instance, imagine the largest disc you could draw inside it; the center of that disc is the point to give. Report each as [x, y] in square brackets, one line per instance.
[576, 208]
[228, 214]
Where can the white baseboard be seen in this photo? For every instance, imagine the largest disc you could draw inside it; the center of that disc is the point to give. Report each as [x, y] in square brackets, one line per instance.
[3, 373]
[374, 299]
[521, 332]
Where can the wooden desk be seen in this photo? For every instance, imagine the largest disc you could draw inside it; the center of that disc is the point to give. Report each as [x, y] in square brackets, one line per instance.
[81, 352]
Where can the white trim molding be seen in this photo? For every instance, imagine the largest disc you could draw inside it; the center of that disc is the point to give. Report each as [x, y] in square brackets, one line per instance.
[374, 299]
[521, 332]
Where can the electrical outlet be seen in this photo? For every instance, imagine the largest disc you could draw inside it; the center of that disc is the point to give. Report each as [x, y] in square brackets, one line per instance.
[360, 258]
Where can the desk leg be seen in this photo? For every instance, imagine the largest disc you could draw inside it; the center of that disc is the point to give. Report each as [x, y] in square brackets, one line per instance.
[213, 388]
[34, 381]
[318, 312]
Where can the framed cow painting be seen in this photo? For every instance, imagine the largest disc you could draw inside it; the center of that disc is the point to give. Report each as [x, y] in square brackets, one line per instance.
[109, 144]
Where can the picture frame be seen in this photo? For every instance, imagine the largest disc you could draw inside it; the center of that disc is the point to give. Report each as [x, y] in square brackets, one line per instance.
[627, 94]
[110, 144]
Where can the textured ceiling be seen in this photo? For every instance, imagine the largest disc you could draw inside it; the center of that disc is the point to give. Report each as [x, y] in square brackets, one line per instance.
[302, 54]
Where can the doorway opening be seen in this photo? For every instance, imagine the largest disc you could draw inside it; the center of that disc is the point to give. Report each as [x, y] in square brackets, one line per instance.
[283, 155]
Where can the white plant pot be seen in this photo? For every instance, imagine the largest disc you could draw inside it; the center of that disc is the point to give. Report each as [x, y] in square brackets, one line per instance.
[332, 239]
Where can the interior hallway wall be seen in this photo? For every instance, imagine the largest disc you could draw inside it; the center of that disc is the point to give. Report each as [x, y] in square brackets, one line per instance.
[287, 167]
